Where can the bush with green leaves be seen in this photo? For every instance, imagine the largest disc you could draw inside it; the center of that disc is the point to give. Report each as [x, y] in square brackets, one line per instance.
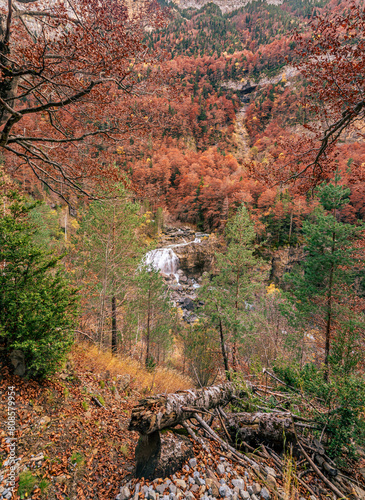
[38, 305]
[343, 397]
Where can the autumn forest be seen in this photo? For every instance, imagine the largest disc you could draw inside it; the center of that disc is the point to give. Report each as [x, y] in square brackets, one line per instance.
[182, 206]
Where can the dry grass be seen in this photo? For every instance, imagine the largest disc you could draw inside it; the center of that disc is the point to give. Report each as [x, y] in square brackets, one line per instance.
[90, 358]
[290, 485]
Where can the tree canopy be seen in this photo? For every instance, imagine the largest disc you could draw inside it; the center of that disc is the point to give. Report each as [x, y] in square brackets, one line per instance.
[67, 71]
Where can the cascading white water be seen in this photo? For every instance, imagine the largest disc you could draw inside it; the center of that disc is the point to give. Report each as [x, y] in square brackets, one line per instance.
[185, 244]
[164, 260]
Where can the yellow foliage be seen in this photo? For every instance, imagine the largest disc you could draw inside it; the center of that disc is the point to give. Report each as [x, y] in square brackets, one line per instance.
[272, 289]
[94, 360]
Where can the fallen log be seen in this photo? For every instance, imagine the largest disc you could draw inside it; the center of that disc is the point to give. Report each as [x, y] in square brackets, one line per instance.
[257, 428]
[168, 410]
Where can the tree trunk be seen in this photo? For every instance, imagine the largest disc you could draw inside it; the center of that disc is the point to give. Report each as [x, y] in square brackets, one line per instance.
[255, 428]
[224, 354]
[329, 314]
[114, 325]
[148, 328]
[158, 412]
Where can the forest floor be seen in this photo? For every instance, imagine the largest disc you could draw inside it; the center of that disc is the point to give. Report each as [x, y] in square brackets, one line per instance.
[72, 439]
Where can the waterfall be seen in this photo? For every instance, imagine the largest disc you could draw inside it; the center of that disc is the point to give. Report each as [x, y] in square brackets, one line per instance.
[185, 244]
[164, 260]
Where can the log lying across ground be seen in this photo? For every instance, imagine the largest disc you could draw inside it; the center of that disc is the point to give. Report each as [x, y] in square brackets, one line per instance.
[256, 428]
[153, 414]
[160, 455]
[158, 412]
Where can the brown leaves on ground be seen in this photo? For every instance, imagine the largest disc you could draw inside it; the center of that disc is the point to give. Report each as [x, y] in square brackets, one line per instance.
[87, 448]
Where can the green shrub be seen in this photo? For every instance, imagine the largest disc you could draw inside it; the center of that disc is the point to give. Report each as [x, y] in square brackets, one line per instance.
[27, 483]
[343, 395]
[37, 303]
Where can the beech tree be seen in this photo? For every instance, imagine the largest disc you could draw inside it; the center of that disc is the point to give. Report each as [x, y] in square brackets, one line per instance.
[331, 58]
[67, 72]
[333, 61]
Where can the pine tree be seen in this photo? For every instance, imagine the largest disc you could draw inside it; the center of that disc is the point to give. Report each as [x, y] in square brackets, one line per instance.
[38, 305]
[108, 252]
[324, 289]
[229, 296]
[154, 311]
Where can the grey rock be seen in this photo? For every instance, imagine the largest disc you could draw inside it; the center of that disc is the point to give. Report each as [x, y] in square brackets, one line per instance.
[189, 496]
[180, 483]
[8, 496]
[188, 304]
[191, 480]
[124, 494]
[17, 359]
[186, 468]
[239, 483]
[196, 474]
[247, 474]
[146, 489]
[151, 495]
[172, 489]
[256, 488]
[160, 488]
[265, 494]
[223, 490]
[222, 481]
[200, 481]
[270, 471]
[250, 489]
[254, 497]
[220, 469]
[244, 494]
[192, 463]
[271, 481]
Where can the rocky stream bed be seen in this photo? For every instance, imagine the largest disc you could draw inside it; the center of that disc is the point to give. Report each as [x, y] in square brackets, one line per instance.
[183, 257]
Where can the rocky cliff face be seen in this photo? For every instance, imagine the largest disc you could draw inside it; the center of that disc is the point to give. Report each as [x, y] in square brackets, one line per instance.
[183, 257]
[195, 250]
[283, 261]
[224, 5]
[192, 256]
